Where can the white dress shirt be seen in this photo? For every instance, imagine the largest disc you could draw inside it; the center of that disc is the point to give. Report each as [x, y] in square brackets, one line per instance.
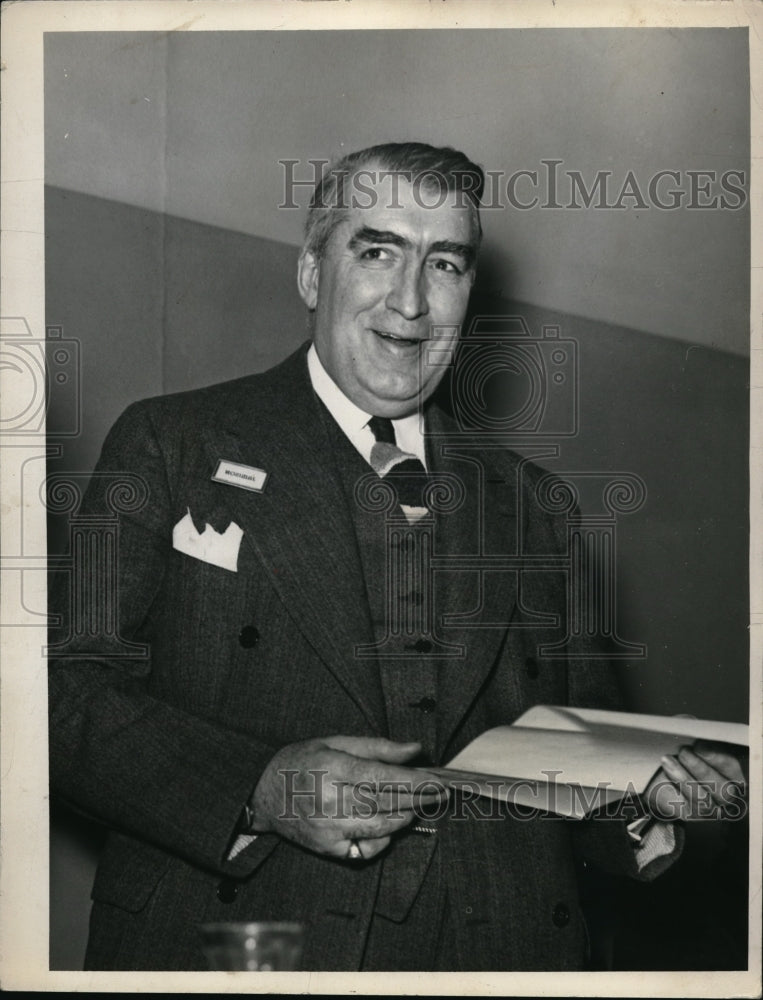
[354, 421]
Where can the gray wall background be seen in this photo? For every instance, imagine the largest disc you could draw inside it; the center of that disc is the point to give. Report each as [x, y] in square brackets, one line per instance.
[170, 262]
[193, 124]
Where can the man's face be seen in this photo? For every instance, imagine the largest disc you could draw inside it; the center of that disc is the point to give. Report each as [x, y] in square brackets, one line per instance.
[390, 275]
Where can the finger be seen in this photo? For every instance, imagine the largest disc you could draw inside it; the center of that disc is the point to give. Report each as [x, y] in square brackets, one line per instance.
[374, 748]
[664, 801]
[393, 802]
[698, 797]
[368, 848]
[717, 783]
[365, 801]
[418, 795]
[675, 770]
[395, 798]
[725, 763]
[394, 778]
[338, 848]
[365, 827]
[698, 768]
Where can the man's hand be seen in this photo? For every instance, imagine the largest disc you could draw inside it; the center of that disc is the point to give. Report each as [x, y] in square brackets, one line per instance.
[325, 793]
[706, 782]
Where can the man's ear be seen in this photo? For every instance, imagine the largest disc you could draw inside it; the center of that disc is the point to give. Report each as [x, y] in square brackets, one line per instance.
[308, 274]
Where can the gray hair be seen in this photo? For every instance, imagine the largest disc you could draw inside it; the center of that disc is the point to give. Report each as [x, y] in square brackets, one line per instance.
[430, 166]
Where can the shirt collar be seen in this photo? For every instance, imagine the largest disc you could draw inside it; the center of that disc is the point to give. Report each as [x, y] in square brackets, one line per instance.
[349, 416]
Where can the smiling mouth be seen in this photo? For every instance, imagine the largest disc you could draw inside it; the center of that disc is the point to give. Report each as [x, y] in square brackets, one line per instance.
[394, 339]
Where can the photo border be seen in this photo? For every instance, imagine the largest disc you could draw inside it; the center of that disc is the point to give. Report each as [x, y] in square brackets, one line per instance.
[23, 693]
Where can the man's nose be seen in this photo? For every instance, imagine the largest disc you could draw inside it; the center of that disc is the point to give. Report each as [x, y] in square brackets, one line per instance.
[408, 293]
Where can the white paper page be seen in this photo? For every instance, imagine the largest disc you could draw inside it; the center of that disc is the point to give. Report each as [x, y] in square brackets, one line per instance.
[610, 756]
[586, 719]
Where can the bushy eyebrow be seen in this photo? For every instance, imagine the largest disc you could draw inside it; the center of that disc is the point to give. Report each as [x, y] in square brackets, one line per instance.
[465, 250]
[366, 235]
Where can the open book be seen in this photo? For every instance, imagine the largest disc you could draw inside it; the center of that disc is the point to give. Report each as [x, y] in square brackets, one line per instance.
[573, 761]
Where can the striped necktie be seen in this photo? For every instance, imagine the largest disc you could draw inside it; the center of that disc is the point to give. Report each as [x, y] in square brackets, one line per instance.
[406, 471]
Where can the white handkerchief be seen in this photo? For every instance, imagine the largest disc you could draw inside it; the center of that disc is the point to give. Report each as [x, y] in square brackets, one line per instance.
[209, 546]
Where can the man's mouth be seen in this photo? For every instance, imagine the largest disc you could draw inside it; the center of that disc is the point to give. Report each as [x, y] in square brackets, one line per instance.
[394, 338]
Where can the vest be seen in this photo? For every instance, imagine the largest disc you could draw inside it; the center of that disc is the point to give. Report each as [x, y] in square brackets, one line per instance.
[400, 603]
[399, 600]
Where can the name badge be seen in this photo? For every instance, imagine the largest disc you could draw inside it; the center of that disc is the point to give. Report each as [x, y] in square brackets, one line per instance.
[245, 476]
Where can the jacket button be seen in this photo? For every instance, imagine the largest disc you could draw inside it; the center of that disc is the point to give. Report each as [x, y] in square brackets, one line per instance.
[425, 705]
[422, 646]
[227, 890]
[561, 915]
[531, 666]
[249, 636]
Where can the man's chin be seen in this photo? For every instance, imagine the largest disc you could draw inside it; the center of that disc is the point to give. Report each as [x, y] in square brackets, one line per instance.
[398, 402]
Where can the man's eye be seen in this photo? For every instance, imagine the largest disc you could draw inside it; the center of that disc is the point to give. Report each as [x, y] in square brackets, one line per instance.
[375, 253]
[446, 265]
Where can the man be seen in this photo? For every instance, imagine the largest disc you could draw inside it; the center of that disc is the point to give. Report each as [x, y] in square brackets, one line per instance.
[267, 759]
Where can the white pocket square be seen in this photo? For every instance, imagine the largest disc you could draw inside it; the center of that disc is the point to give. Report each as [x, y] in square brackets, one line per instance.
[209, 546]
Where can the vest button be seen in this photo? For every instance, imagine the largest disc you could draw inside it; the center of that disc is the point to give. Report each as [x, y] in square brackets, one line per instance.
[227, 890]
[249, 636]
[425, 705]
[531, 666]
[561, 915]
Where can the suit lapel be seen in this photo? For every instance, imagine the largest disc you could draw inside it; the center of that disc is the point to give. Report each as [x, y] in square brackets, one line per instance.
[300, 526]
[474, 607]
[301, 529]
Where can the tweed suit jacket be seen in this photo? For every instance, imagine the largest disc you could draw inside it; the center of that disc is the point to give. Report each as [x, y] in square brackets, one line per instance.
[165, 746]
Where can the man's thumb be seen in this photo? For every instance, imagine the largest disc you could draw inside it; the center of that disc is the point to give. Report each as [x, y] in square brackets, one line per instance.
[374, 748]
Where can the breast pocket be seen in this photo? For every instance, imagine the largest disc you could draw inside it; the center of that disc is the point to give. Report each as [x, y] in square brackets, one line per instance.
[198, 589]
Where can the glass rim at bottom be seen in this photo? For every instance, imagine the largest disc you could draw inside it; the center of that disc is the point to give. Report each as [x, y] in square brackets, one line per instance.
[253, 926]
